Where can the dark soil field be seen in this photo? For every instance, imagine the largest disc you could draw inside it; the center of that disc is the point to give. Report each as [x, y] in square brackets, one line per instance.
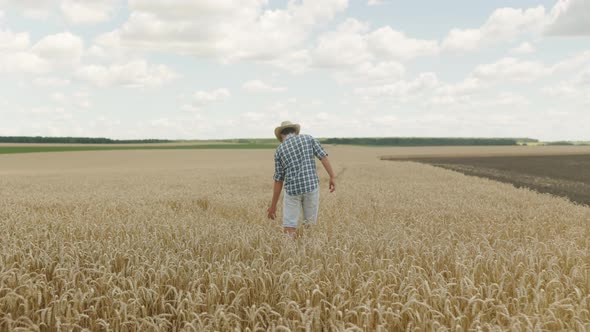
[563, 175]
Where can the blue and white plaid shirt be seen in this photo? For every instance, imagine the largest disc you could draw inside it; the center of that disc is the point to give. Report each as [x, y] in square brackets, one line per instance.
[295, 164]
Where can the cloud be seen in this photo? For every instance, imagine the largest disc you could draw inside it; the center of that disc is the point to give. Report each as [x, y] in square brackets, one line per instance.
[371, 73]
[345, 46]
[51, 82]
[74, 11]
[375, 2]
[522, 49]
[402, 90]
[203, 98]
[505, 24]
[352, 43]
[387, 43]
[570, 18]
[10, 41]
[574, 88]
[78, 100]
[61, 48]
[511, 69]
[51, 52]
[23, 62]
[355, 53]
[33, 9]
[221, 29]
[573, 63]
[87, 12]
[260, 86]
[137, 73]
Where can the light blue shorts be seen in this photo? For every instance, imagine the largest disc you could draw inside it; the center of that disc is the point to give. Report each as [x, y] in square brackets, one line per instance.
[308, 202]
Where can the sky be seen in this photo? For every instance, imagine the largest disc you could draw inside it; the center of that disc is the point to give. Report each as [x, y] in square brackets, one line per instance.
[197, 69]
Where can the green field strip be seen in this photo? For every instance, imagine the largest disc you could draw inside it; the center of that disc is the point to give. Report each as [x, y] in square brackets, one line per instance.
[35, 149]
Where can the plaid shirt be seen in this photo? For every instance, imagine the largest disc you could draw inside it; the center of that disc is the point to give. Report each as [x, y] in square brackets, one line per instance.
[294, 163]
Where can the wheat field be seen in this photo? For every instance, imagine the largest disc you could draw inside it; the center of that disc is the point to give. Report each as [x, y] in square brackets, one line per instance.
[179, 241]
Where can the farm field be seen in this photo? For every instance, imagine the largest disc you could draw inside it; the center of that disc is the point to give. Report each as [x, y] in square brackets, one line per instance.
[177, 240]
[562, 175]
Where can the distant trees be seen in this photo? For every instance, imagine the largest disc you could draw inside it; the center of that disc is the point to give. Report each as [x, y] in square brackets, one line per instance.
[560, 143]
[75, 140]
[421, 141]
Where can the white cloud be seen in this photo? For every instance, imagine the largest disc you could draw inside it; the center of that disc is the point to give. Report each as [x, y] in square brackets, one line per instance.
[23, 62]
[61, 48]
[137, 73]
[575, 88]
[203, 98]
[208, 97]
[10, 41]
[457, 93]
[369, 73]
[295, 62]
[563, 89]
[352, 43]
[573, 63]
[57, 97]
[570, 18]
[87, 12]
[402, 90]
[345, 46]
[260, 86]
[583, 78]
[51, 82]
[511, 69]
[505, 24]
[387, 43]
[354, 53]
[17, 55]
[522, 49]
[33, 9]
[221, 29]
[375, 2]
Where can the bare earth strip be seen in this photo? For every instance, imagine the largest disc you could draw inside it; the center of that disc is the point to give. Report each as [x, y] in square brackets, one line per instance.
[178, 240]
[562, 175]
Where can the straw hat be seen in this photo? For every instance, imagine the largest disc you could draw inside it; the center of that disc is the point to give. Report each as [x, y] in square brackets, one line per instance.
[286, 124]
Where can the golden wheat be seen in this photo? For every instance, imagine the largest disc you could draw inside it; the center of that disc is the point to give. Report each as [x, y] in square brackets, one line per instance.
[178, 241]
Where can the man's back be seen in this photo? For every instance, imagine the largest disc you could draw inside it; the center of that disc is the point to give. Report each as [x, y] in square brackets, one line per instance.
[295, 164]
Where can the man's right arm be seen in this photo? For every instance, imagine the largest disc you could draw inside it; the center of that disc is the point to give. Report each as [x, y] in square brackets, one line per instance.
[272, 211]
[279, 178]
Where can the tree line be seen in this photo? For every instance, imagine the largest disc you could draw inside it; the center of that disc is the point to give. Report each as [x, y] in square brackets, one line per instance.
[76, 140]
[421, 141]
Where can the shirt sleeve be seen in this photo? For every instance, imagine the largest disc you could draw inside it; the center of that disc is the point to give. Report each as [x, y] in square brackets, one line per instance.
[279, 170]
[318, 151]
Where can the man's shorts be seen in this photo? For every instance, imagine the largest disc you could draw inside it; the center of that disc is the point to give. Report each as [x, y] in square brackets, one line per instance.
[309, 202]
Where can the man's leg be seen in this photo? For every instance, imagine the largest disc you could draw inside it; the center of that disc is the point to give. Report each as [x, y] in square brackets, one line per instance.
[311, 205]
[291, 207]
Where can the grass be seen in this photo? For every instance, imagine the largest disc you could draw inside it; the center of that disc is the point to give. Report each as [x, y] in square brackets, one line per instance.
[39, 148]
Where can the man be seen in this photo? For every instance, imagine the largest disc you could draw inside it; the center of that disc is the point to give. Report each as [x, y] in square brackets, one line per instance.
[295, 168]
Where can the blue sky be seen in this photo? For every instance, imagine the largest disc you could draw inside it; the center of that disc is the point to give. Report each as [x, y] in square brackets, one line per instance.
[194, 69]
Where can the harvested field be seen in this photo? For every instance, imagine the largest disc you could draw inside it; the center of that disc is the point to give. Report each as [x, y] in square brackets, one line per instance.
[177, 240]
[561, 175]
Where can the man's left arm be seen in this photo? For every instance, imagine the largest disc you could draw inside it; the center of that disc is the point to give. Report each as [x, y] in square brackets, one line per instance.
[319, 152]
[326, 163]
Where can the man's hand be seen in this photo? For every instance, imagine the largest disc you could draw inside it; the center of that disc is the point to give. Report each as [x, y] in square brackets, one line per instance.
[272, 212]
[326, 163]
